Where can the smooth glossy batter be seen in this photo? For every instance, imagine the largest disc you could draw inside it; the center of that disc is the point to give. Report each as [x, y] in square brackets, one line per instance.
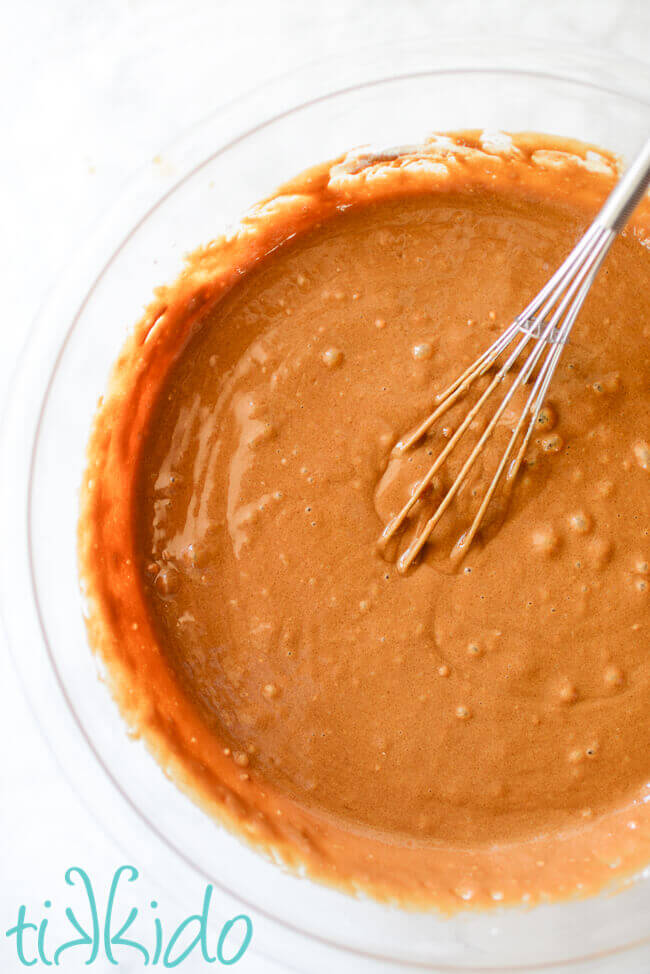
[436, 735]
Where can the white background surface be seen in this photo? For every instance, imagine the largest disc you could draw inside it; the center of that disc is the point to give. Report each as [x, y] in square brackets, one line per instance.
[92, 91]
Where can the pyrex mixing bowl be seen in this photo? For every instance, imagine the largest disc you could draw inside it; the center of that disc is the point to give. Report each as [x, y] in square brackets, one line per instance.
[385, 97]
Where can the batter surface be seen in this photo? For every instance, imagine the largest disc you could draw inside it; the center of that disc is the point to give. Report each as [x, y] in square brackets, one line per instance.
[456, 736]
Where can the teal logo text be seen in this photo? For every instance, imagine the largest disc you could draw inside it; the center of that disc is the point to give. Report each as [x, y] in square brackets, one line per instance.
[123, 931]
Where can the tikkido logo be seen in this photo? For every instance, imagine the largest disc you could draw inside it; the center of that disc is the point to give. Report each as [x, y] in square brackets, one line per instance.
[100, 938]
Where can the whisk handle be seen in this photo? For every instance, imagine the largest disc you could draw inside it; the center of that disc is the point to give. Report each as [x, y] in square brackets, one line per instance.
[627, 193]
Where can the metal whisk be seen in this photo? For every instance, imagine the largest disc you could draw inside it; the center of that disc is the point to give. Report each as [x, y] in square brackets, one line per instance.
[546, 323]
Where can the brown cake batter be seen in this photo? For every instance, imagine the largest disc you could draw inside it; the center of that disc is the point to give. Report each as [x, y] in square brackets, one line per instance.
[451, 737]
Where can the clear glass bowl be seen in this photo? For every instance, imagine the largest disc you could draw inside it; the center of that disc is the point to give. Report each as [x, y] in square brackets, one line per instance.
[385, 97]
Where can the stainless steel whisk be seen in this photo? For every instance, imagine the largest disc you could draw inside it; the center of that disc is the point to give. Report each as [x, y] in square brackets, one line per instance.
[546, 323]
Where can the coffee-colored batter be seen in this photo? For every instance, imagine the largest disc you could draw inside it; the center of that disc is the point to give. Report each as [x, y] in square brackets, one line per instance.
[454, 737]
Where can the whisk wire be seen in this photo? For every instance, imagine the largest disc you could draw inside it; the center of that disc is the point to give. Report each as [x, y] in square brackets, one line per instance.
[547, 321]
